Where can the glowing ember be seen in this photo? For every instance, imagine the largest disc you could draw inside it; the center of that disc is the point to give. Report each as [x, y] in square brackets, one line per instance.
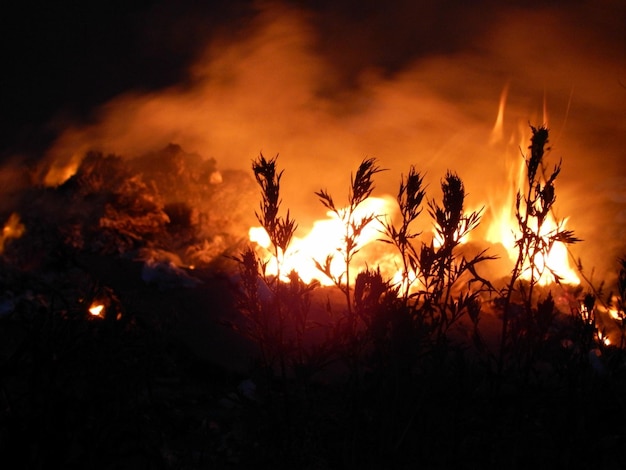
[97, 310]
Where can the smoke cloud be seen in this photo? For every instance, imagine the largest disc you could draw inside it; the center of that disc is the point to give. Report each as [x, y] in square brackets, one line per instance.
[416, 83]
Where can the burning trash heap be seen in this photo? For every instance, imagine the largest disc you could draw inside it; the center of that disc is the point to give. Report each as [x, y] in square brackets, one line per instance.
[382, 311]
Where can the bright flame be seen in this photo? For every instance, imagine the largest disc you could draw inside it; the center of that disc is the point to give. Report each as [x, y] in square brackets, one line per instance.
[410, 281]
[327, 237]
[556, 260]
[97, 310]
[504, 226]
[259, 236]
[604, 339]
[503, 230]
[615, 313]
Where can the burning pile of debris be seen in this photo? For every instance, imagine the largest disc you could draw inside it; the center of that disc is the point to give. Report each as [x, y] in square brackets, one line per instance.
[149, 236]
[128, 240]
[166, 206]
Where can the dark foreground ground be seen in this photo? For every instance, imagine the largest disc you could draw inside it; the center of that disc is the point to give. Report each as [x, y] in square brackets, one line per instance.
[164, 384]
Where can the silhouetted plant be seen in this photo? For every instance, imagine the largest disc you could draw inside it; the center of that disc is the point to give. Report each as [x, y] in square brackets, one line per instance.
[447, 268]
[534, 242]
[621, 301]
[598, 338]
[266, 316]
[276, 310]
[432, 276]
[279, 229]
[410, 196]
[361, 187]
[394, 335]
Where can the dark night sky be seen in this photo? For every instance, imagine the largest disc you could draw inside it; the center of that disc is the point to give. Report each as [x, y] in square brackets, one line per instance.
[62, 59]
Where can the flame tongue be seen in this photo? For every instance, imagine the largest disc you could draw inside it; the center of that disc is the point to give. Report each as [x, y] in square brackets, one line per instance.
[326, 238]
[326, 242]
[13, 228]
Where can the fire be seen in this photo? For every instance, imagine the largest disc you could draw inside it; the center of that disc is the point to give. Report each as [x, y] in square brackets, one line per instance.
[438, 241]
[326, 237]
[504, 226]
[97, 310]
[503, 229]
[615, 313]
[60, 172]
[497, 131]
[557, 261]
[13, 228]
[326, 241]
[603, 338]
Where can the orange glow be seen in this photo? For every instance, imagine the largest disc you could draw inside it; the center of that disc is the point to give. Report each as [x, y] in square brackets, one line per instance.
[65, 166]
[13, 228]
[60, 174]
[497, 131]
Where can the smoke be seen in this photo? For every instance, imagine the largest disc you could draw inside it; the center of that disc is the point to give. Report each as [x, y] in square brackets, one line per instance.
[415, 83]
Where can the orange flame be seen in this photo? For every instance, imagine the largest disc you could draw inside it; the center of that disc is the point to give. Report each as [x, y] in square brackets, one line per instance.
[96, 310]
[504, 226]
[326, 237]
[503, 229]
[13, 228]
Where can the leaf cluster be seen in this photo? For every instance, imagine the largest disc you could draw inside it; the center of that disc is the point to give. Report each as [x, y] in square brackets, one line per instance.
[280, 229]
[361, 187]
[533, 243]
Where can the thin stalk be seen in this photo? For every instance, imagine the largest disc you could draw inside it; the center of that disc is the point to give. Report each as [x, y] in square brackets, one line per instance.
[515, 274]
